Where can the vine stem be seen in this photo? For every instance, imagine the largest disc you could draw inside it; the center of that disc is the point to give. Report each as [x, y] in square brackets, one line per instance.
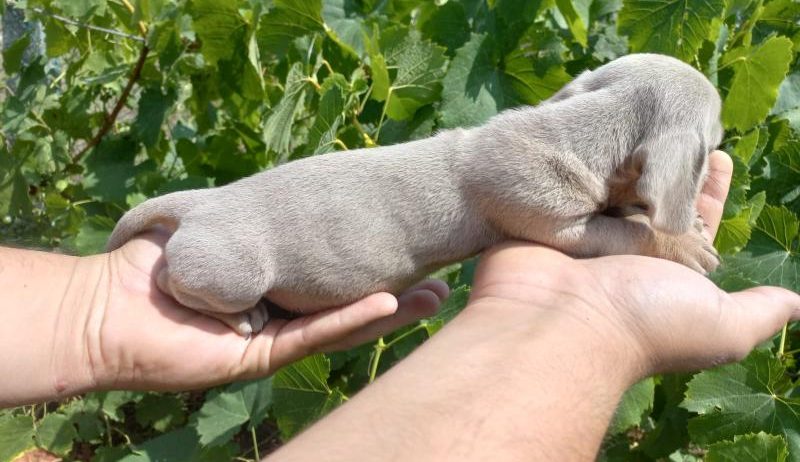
[72, 22]
[112, 116]
[782, 347]
[255, 442]
[381, 346]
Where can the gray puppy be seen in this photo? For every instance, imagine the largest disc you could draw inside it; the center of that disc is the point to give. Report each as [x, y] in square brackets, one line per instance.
[324, 231]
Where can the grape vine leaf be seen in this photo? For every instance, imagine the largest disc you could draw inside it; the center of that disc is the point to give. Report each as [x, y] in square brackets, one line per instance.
[277, 129]
[153, 107]
[472, 88]
[478, 85]
[287, 20]
[301, 394]
[16, 435]
[55, 433]
[224, 412]
[455, 302]
[330, 115]
[734, 232]
[757, 74]
[753, 447]
[344, 28]
[742, 398]
[160, 411]
[576, 13]
[672, 27]
[218, 25]
[447, 25]
[771, 257]
[781, 181]
[418, 65]
[788, 94]
[81, 8]
[181, 445]
[635, 403]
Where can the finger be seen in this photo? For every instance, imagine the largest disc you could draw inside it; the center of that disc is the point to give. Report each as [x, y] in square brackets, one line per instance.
[303, 336]
[422, 302]
[715, 190]
[761, 312]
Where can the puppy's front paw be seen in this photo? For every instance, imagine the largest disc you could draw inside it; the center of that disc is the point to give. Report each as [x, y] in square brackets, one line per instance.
[245, 323]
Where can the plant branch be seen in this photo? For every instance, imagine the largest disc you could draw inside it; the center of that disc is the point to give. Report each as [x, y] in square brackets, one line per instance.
[72, 22]
[112, 116]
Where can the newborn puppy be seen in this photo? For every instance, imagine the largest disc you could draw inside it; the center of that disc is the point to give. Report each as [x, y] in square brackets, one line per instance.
[324, 231]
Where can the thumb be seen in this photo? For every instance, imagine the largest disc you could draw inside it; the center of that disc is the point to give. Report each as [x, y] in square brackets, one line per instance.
[760, 312]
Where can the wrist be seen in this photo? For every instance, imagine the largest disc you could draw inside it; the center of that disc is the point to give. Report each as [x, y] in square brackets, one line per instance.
[566, 327]
[77, 357]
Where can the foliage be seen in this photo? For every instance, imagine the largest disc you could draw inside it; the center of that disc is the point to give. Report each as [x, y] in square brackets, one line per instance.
[130, 99]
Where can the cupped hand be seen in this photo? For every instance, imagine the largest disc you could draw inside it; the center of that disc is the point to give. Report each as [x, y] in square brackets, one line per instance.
[667, 316]
[143, 339]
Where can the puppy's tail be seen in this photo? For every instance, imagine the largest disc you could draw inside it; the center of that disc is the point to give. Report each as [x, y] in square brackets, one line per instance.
[165, 210]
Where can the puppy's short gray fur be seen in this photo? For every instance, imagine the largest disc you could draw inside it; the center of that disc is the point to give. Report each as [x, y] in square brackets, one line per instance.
[327, 230]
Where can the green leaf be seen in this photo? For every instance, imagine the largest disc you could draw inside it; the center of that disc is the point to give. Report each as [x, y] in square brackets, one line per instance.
[788, 94]
[177, 446]
[153, 107]
[111, 170]
[734, 233]
[576, 12]
[450, 308]
[781, 181]
[277, 128]
[344, 27]
[757, 74]
[743, 398]
[252, 74]
[16, 435]
[447, 25]
[218, 25]
[55, 433]
[635, 404]
[526, 83]
[771, 257]
[672, 27]
[758, 447]
[288, 20]
[301, 394]
[160, 411]
[81, 8]
[224, 412]
[12, 54]
[472, 90]
[330, 116]
[419, 67]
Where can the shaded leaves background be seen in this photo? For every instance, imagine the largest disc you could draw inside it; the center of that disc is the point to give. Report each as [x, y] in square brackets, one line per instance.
[206, 92]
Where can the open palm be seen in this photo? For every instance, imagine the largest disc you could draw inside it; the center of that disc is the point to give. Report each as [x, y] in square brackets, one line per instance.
[143, 339]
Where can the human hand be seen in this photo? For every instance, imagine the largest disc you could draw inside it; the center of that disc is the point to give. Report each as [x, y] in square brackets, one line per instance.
[140, 338]
[666, 316]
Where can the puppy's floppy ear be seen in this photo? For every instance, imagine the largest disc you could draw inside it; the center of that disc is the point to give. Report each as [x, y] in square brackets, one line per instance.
[673, 165]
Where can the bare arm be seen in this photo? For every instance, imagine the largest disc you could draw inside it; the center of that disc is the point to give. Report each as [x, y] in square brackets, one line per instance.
[69, 325]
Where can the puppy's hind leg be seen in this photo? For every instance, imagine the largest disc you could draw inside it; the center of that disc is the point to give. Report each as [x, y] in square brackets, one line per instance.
[245, 323]
[225, 280]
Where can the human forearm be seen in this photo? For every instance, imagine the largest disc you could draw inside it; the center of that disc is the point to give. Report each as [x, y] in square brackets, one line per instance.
[46, 301]
[490, 386]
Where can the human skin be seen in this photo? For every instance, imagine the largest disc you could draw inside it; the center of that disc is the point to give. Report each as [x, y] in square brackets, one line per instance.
[534, 366]
[69, 325]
